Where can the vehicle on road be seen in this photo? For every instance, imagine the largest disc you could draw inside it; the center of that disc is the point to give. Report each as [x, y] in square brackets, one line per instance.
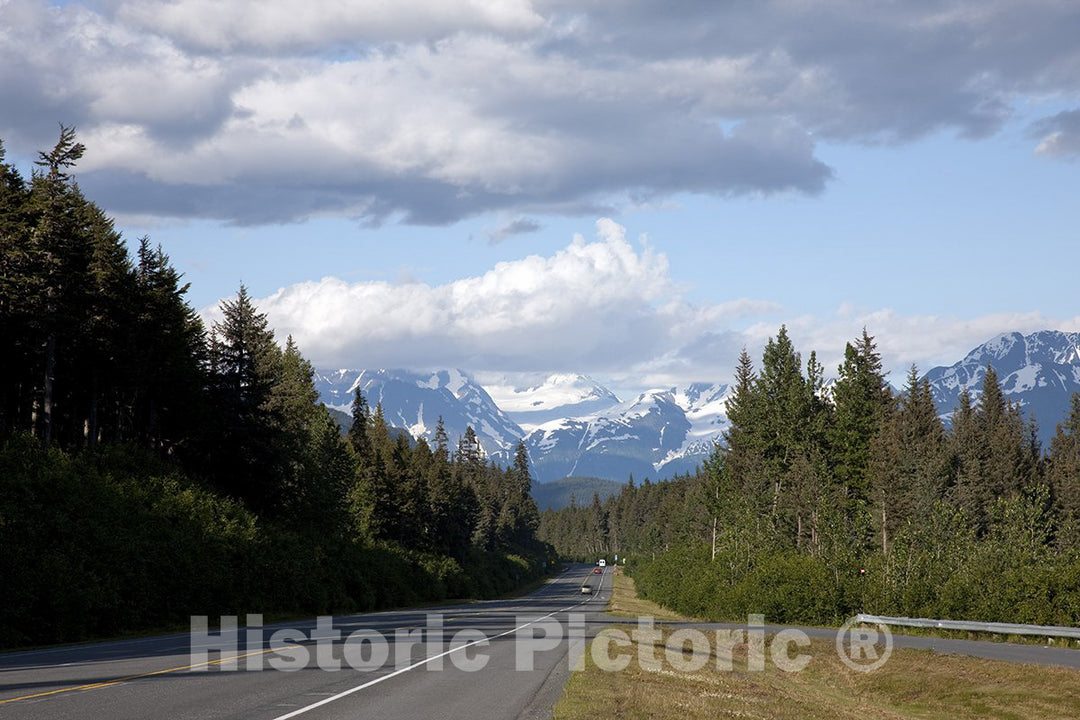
[586, 590]
[602, 562]
[597, 571]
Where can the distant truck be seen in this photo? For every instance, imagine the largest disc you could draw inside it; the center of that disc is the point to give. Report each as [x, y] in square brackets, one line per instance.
[602, 562]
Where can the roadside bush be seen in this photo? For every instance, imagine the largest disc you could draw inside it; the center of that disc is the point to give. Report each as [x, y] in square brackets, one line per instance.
[114, 541]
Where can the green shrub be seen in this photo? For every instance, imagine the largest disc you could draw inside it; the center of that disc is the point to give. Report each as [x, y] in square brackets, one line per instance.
[114, 541]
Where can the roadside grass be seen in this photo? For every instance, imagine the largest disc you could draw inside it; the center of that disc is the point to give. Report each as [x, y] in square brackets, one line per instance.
[625, 602]
[912, 684]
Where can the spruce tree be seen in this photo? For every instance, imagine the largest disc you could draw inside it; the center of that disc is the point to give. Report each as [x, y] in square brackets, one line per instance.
[862, 400]
[1008, 467]
[358, 431]
[784, 422]
[14, 234]
[1063, 475]
[909, 461]
[744, 435]
[54, 251]
[522, 507]
[598, 529]
[993, 453]
[442, 441]
[448, 500]
[373, 501]
[968, 450]
[166, 359]
[248, 365]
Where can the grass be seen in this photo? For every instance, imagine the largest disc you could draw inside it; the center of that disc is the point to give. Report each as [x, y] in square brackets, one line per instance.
[912, 684]
[626, 603]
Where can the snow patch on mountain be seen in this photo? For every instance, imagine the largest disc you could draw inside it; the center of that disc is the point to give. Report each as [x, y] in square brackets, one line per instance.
[1039, 372]
[415, 402]
[657, 434]
[572, 425]
[559, 396]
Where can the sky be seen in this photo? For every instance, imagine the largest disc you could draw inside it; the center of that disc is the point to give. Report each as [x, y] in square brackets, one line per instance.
[633, 191]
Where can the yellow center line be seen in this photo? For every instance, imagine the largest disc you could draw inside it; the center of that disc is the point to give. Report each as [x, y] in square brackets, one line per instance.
[93, 686]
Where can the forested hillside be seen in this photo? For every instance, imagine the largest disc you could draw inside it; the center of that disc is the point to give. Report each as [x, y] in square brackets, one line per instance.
[151, 468]
[823, 505]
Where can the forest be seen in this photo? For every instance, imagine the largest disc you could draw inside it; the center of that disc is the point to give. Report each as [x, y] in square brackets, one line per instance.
[829, 500]
[152, 468]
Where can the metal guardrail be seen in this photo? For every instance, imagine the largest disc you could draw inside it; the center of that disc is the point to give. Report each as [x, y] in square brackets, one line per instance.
[969, 626]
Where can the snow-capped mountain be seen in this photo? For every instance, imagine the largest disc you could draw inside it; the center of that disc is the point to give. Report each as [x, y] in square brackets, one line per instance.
[415, 401]
[658, 434]
[557, 397]
[573, 425]
[578, 427]
[706, 409]
[1039, 371]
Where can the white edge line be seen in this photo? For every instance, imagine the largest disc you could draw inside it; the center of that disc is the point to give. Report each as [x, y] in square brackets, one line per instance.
[425, 661]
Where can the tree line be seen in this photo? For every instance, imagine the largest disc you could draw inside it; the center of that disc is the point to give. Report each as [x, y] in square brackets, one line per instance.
[152, 468]
[826, 500]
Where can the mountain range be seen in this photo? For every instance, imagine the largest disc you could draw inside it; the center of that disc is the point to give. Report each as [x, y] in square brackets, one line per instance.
[415, 402]
[573, 426]
[1039, 372]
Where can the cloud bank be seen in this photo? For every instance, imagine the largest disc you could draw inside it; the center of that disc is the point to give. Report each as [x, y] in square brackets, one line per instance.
[602, 307]
[280, 110]
[601, 304]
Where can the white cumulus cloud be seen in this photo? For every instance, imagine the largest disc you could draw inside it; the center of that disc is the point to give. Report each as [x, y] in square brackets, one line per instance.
[427, 111]
[602, 304]
[604, 307]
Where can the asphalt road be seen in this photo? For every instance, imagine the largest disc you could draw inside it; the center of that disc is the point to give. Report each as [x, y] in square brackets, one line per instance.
[484, 675]
[157, 677]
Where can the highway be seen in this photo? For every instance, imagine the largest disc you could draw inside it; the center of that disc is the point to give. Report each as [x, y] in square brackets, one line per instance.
[482, 676]
[156, 676]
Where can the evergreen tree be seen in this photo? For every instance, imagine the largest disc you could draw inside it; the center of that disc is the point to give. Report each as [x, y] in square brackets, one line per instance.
[1063, 475]
[326, 471]
[373, 501]
[14, 281]
[909, 461]
[297, 423]
[54, 253]
[993, 452]
[784, 422]
[745, 456]
[862, 400]
[597, 529]
[442, 441]
[358, 431]
[967, 449]
[166, 357]
[248, 364]
[519, 516]
[402, 514]
[1009, 464]
[810, 469]
[450, 504]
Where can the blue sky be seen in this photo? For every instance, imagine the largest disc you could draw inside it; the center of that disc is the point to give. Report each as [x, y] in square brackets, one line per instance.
[403, 185]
